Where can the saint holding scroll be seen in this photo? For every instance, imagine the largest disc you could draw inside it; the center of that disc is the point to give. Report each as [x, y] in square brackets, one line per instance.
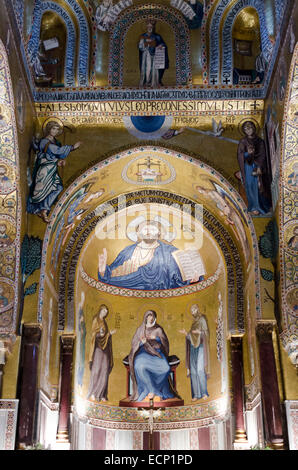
[153, 57]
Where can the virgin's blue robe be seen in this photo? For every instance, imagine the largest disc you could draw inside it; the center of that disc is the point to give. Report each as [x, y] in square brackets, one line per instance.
[152, 374]
[162, 272]
[257, 188]
[256, 201]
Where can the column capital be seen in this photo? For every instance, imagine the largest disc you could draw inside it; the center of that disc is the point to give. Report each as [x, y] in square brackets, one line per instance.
[67, 342]
[32, 333]
[264, 330]
[236, 342]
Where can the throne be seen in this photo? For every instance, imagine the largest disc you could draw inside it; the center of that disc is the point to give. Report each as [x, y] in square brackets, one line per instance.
[174, 362]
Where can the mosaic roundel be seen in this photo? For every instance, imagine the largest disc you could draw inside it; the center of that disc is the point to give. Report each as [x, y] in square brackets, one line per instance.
[148, 170]
[7, 231]
[7, 178]
[147, 127]
[6, 296]
[291, 237]
[292, 301]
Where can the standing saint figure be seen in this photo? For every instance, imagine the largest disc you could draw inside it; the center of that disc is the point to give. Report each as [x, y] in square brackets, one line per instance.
[35, 61]
[103, 15]
[150, 44]
[197, 354]
[148, 361]
[253, 166]
[46, 183]
[100, 356]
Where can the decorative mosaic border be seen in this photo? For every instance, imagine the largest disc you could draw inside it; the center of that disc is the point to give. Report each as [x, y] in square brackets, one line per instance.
[192, 416]
[227, 56]
[160, 13]
[84, 39]
[292, 418]
[154, 294]
[18, 6]
[288, 214]
[10, 150]
[84, 43]
[229, 92]
[33, 44]
[227, 40]
[11, 408]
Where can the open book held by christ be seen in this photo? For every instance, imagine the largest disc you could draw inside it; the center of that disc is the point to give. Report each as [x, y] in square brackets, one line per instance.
[190, 263]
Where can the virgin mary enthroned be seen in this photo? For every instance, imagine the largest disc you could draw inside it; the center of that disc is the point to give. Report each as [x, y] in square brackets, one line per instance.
[148, 361]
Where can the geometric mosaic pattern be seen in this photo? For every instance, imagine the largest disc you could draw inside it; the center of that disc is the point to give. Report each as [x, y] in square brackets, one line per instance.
[289, 215]
[10, 205]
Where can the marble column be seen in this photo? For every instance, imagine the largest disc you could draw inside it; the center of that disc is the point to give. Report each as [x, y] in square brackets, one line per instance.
[270, 390]
[67, 344]
[31, 335]
[238, 389]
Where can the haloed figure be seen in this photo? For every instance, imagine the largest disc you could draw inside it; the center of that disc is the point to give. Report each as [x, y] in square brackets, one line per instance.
[149, 45]
[46, 182]
[101, 356]
[253, 167]
[148, 361]
[197, 354]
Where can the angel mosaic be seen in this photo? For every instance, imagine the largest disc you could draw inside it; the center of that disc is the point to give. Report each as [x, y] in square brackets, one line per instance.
[46, 182]
[230, 211]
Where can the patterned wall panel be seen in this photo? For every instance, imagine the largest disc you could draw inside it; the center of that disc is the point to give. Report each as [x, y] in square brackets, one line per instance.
[8, 422]
[292, 420]
[10, 207]
[288, 215]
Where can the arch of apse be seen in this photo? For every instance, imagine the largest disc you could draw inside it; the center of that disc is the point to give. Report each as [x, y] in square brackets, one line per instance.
[65, 275]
